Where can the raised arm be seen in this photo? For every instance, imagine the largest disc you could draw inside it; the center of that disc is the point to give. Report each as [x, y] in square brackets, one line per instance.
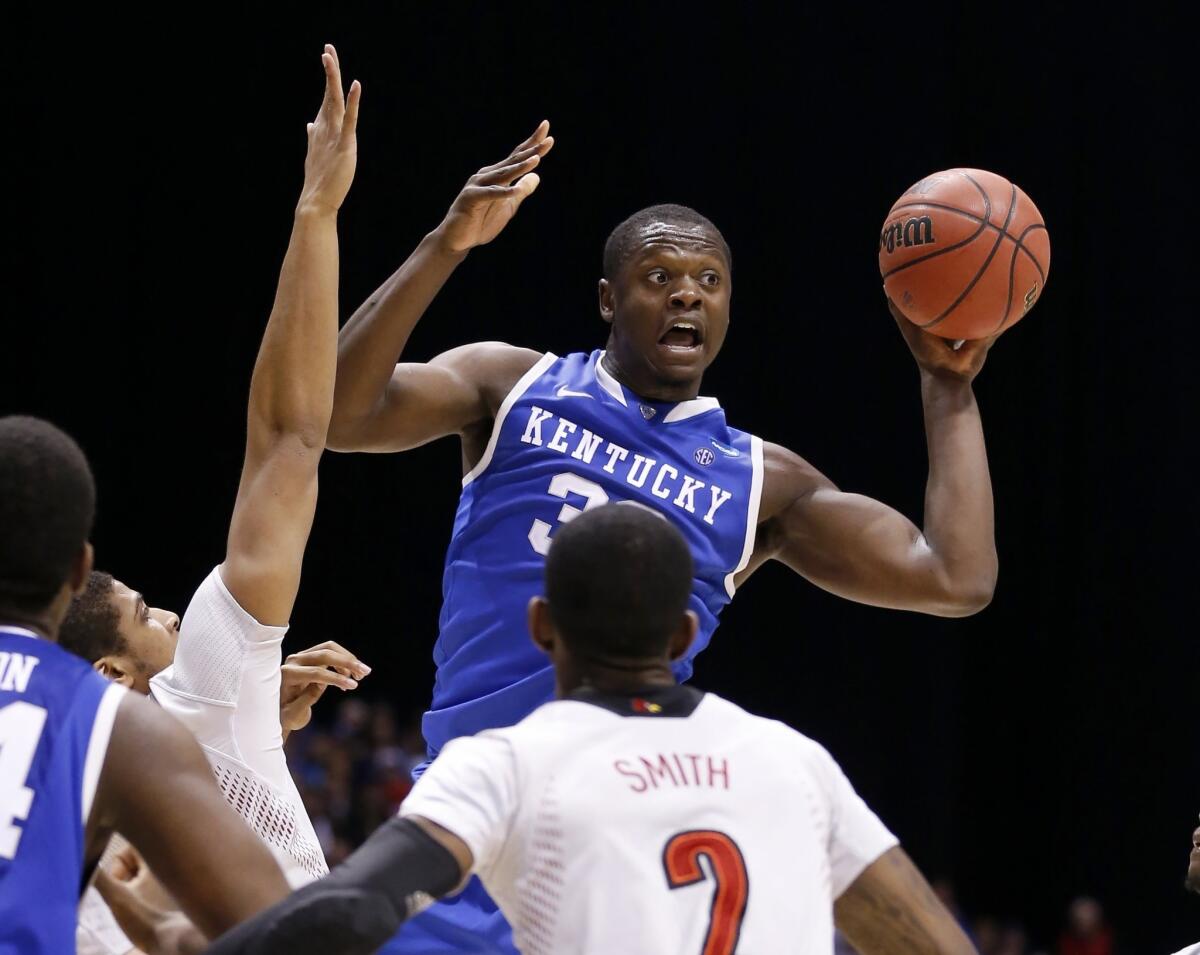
[891, 910]
[291, 392]
[861, 549]
[382, 406]
[169, 807]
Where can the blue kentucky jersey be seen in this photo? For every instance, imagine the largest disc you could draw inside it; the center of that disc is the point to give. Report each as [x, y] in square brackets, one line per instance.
[568, 437]
[55, 716]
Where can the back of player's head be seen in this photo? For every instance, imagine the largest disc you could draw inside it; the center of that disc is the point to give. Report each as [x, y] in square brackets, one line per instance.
[47, 502]
[622, 239]
[618, 578]
[92, 627]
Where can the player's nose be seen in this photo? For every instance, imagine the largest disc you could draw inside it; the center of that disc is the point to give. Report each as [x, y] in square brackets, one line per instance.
[685, 297]
[167, 619]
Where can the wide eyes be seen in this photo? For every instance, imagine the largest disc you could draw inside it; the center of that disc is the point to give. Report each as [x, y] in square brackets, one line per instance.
[708, 278]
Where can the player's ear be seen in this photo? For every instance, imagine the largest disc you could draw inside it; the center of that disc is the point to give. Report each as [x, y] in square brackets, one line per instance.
[607, 305]
[111, 668]
[683, 637]
[541, 628]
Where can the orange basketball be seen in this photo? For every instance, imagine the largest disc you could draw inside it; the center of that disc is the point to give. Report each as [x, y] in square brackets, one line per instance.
[964, 254]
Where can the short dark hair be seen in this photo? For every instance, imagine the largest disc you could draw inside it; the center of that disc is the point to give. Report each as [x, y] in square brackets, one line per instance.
[91, 628]
[618, 579]
[47, 503]
[620, 241]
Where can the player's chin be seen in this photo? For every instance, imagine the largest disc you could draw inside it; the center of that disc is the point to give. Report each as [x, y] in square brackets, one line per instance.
[676, 363]
[1193, 876]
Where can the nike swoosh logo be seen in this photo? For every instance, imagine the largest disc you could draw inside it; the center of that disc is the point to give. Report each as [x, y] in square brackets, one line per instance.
[565, 392]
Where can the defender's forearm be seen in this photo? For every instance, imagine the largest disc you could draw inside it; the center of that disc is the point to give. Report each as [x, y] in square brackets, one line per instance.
[959, 520]
[375, 336]
[291, 392]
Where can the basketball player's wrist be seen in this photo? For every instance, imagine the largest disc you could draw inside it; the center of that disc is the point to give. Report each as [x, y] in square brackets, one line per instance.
[945, 386]
[311, 208]
[438, 242]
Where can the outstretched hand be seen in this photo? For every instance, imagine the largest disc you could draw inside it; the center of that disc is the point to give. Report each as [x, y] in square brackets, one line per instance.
[491, 197]
[938, 355]
[305, 676]
[332, 143]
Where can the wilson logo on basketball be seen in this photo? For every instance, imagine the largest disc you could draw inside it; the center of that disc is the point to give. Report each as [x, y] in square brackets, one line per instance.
[915, 231]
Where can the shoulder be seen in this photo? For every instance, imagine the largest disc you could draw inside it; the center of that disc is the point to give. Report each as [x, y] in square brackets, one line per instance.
[493, 367]
[771, 732]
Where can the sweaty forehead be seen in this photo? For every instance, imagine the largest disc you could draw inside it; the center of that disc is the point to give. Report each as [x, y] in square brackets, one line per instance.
[689, 238]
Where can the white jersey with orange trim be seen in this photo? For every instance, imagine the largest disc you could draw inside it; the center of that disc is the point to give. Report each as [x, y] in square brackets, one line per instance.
[669, 822]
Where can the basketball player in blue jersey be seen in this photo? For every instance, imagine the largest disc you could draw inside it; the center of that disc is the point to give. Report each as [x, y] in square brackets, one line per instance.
[546, 437]
[73, 746]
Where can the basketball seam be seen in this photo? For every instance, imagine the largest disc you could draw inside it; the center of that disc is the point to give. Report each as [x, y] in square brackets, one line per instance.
[1012, 203]
[986, 225]
[987, 211]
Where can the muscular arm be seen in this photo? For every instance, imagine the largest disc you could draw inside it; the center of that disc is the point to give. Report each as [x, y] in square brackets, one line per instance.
[291, 392]
[169, 807]
[861, 549]
[382, 406]
[891, 910]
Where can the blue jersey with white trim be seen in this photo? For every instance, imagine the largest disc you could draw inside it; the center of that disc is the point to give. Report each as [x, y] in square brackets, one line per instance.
[566, 438]
[55, 716]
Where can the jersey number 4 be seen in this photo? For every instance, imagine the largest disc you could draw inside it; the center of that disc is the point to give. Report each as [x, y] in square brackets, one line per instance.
[681, 862]
[20, 729]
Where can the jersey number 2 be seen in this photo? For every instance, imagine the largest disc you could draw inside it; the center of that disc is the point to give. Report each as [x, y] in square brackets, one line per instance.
[20, 729]
[681, 862]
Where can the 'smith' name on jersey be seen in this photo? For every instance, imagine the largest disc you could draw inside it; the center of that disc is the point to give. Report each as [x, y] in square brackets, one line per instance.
[674, 770]
[667, 483]
[15, 671]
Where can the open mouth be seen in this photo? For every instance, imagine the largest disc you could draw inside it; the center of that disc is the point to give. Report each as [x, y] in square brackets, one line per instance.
[682, 336]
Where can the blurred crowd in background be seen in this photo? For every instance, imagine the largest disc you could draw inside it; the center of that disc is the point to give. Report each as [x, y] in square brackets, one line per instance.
[353, 766]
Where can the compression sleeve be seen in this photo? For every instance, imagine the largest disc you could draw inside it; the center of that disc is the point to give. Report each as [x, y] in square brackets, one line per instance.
[359, 905]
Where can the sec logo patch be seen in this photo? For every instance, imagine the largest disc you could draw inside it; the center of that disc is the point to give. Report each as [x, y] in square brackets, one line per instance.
[704, 457]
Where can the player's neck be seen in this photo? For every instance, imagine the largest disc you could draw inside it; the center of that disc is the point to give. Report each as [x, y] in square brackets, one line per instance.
[639, 378]
[613, 679]
[26, 621]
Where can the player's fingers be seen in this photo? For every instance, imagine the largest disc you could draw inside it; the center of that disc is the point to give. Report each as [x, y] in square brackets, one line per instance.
[334, 102]
[523, 189]
[332, 656]
[539, 134]
[320, 674]
[350, 120]
[504, 175]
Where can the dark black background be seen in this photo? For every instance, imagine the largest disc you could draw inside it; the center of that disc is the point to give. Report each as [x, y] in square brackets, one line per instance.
[1044, 748]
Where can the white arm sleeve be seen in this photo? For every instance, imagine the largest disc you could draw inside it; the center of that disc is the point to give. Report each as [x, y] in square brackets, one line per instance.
[857, 837]
[471, 790]
[224, 682]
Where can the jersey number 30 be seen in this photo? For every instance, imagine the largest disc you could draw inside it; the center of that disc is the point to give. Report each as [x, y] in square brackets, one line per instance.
[681, 862]
[20, 729]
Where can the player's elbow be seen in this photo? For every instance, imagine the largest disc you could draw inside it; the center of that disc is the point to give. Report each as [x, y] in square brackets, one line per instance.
[969, 596]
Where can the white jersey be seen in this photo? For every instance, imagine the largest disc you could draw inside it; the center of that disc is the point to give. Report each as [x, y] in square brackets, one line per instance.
[224, 687]
[1190, 950]
[674, 822]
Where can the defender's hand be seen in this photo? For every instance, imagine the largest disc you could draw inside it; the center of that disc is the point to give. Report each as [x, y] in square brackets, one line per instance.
[306, 675]
[491, 197]
[332, 144]
[141, 906]
[937, 355]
